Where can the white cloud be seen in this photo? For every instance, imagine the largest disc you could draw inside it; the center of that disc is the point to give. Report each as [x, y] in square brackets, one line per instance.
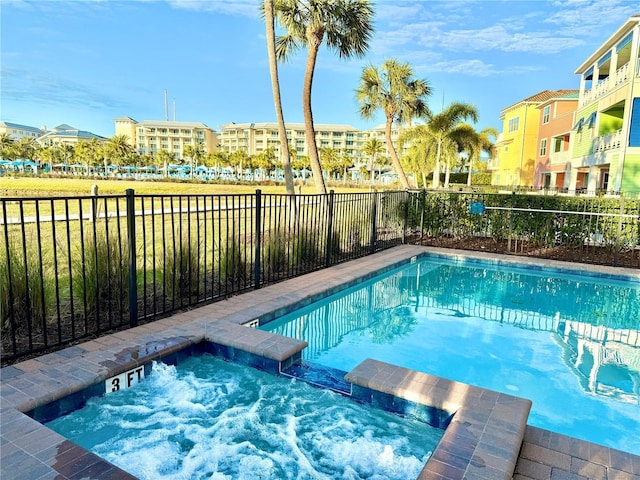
[21, 85]
[475, 68]
[544, 27]
[248, 8]
[581, 17]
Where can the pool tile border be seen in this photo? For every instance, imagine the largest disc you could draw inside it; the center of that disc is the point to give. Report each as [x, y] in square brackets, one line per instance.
[483, 431]
[31, 451]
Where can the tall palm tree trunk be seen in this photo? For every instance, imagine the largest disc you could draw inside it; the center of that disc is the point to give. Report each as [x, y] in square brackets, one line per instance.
[394, 156]
[285, 156]
[436, 170]
[469, 172]
[314, 159]
[371, 165]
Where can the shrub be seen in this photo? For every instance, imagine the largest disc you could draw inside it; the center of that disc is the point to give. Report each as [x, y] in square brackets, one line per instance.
[274, 253]
[304, 248]
[101, 272]
[182, 268]
[232, 262]
[30, 289]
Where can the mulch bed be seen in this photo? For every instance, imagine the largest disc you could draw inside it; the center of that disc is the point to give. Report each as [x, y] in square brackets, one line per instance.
[587, 254]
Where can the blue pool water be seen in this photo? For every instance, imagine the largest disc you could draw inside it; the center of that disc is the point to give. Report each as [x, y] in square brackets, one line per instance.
[569, 342]
[211, 419]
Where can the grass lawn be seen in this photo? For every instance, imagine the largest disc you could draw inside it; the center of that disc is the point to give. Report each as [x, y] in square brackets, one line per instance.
[64, 186]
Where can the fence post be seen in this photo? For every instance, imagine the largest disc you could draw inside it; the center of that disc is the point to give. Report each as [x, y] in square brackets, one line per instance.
[94, 202]
[513, 196]
[374, 220]
[131, 240]
[256, 264]
[422, 200]
[619, 241]
[406, 216]
[329, 242]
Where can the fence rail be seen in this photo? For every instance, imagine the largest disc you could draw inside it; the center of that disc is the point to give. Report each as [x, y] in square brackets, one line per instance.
[77, 267]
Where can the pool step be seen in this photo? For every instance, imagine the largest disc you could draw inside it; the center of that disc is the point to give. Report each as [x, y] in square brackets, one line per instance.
[320, 376]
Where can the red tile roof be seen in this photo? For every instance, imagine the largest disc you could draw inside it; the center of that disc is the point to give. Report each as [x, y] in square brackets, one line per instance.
[543, 96]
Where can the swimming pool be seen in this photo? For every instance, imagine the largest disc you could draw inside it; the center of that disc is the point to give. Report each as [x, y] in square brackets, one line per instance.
[568, 341]
[207, 418]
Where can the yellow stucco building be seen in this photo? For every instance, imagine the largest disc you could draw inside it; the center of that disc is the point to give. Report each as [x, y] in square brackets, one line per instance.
[517, 145]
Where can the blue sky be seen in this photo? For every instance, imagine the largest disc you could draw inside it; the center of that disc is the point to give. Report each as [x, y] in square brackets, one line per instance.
[87, 62]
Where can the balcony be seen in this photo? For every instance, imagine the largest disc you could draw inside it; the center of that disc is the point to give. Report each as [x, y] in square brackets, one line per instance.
[560, 158]
[606, 142]
[603, 87]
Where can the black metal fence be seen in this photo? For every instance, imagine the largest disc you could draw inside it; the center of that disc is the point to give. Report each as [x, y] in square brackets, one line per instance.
[76, 267]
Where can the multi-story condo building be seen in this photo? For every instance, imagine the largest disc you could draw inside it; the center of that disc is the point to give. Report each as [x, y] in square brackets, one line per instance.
[66, 135]
[553, 161]
[150, 136]
[17, 131]
[517, 145]
[606, 135]
[255, 138]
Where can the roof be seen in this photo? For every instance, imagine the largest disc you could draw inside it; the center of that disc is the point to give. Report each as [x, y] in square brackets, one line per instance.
[618, 35]
[65, 130]
[169, 124]
[574, 95]
[21, 127]
[290, 126]
[542, 96]
[124, 119]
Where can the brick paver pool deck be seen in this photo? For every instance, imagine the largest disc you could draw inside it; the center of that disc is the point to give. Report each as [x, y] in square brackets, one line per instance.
[487, 437]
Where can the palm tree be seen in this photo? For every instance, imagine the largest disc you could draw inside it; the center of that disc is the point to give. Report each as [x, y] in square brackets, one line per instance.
[372, 148]
[163, 157]
[400, 96]
[27, 149]
[97, 150]
[444, 125]
[84, 154]
[118, 150]
[474, 143]
[285, 156]
[67, 152]
[6, 142]
[344, 25]
[195, 153]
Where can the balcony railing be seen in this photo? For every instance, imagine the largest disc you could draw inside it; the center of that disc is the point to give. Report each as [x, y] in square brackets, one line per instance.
[609, 141]
[556, 158]
[601, 88]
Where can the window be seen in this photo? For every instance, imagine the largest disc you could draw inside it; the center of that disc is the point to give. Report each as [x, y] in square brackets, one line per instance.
[546, 113]
[557, 145]
[543, 147]
[513, 124]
